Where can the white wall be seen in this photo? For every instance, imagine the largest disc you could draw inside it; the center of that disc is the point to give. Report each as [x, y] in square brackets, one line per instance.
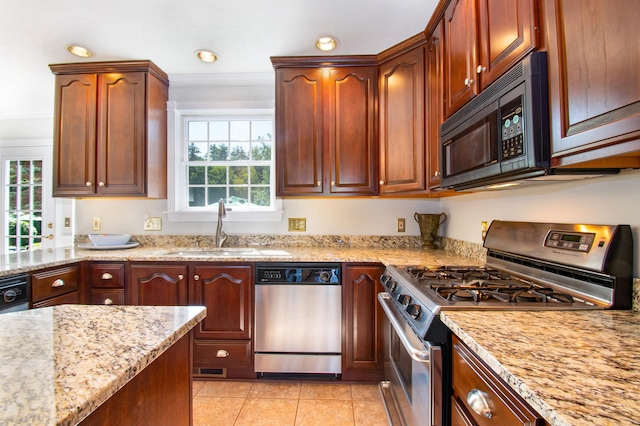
[610, 200]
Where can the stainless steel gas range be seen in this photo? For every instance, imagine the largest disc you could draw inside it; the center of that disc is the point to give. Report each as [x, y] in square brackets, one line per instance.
[530, 266]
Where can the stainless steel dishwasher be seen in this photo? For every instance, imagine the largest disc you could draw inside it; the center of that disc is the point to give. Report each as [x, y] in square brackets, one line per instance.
[298, 318]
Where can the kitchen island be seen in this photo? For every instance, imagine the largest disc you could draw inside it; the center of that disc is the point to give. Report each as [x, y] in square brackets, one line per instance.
[66, 364]
[572, 367]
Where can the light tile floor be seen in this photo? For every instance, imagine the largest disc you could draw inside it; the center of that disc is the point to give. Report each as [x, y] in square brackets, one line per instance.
[229, 403]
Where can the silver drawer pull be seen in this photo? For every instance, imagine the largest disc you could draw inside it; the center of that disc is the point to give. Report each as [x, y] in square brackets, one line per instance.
[480, 403]
[108, 301]
[222, 353]
[57, 283]
[106, 276]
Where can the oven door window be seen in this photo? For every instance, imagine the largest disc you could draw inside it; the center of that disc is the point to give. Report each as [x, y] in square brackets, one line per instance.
[402, 362]
[473, 148]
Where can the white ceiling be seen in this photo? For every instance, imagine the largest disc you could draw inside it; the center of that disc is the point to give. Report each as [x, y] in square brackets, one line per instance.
[245, 33]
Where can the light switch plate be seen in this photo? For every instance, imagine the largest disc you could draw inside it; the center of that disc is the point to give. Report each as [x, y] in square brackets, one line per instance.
[153, 224]
[96, 223]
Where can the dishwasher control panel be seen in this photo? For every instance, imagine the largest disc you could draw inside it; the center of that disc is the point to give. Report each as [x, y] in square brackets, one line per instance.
[305, 273]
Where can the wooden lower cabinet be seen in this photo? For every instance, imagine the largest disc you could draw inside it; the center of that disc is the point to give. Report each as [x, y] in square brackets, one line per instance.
[106, 283]
[223, 345]
[362, 352]
[160, 395]
[157, 284]
[55, 286]
[472, 379]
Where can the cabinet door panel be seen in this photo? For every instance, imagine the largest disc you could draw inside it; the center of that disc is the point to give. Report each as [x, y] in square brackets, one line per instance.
[226, 292]
[461, 54]
[363, 346]
[402, 158]
[351, 135]
[122, 134]
[507, 33]
[158, 285]
[299, 126]
[74, 148]
[435, 104]
[593, 79]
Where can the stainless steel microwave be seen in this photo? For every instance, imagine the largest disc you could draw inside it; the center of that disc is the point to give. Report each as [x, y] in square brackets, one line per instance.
[502, 135]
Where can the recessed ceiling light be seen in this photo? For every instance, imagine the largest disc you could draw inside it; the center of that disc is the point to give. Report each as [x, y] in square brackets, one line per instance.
[206, 55]
[327, 43]
[80, 51]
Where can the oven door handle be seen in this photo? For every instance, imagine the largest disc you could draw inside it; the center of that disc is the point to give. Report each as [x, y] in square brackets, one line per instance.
[418, 354]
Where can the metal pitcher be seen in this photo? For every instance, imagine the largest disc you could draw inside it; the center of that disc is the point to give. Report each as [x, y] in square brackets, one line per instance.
[429, 224]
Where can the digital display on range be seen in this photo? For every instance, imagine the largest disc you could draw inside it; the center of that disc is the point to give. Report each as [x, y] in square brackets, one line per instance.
[577, 241]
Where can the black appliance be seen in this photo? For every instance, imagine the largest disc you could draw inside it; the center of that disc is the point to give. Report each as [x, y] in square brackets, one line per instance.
[502, 135]
[529, 266]
[14, 293]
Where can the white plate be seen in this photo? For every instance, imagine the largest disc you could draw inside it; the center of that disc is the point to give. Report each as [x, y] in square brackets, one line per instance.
[90, 246]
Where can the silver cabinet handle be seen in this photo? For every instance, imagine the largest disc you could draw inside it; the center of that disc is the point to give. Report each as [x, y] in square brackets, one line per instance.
[196, 277]
[222, 353]
[436, 173]
[480, 69]
[88, 184]
[57, 283]
[480, 403]
[108, 301]
[106, 276]
[381, 182]
[418, 354]
[468, 82]
[180, 276]
[319, 183]
[100, 183]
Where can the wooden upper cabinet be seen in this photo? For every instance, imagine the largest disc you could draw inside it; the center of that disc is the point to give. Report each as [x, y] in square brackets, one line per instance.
[299, 131]
[483, 39]
[110, 129]
[326, 140]
[461, 55]
[401, 118]
[435, 103]
[593, 80]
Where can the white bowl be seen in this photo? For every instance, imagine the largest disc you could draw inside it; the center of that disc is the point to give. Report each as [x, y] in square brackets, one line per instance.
[109, 239]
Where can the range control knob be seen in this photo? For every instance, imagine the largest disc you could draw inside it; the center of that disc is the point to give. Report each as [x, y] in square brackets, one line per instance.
[392, 284]
[404, 299]
[414, 311]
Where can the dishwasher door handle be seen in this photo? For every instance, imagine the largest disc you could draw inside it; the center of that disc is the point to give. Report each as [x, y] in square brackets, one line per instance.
[419, 354]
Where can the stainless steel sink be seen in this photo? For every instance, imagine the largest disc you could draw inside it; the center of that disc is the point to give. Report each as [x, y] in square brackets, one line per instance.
[228, 252]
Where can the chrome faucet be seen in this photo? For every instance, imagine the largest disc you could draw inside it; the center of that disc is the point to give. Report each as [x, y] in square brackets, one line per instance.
[220, 235]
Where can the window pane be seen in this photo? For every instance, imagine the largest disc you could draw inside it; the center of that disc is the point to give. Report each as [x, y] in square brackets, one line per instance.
[37, 198]
[238, 175]
[215, 193]
[25, 198]
[197, 130]
[13, 199]
[261, 196]
[13, 172]
[261, 130]
[261, 151]
[238, 196]
[219, 131]
[260, 175]
[196, 197]
[196, 175]
[37, 172]
[217, 175]
[219, 152]
[197, 151]
[25, 171]
[240, 131]
[239, 151]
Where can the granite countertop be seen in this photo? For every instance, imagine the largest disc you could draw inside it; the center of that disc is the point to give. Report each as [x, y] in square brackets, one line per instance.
[37, 259]
[60, 363]
[572, 367]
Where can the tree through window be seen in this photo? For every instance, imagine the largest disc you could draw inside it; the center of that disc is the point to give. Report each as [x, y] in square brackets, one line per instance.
[23, 205]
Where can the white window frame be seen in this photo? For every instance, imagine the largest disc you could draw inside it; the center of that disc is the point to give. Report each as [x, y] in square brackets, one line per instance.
[177, 185]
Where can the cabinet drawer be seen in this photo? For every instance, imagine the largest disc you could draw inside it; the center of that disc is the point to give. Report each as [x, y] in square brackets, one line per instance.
[56, 282]
[107, 275]
[220, 353]
[472, 377]
[106, 297]
[72, 298]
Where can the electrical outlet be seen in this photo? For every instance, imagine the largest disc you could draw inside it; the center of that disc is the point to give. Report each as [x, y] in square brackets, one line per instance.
[67, 222]
[401, 224]
[297, 224]
[485, 226]
[96, 223]
[153, 224]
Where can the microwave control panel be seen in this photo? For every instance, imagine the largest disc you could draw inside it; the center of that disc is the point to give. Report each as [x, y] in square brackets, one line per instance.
[512, 129]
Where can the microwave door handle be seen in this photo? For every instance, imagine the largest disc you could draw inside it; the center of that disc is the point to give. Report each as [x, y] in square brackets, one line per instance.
[418, 354]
